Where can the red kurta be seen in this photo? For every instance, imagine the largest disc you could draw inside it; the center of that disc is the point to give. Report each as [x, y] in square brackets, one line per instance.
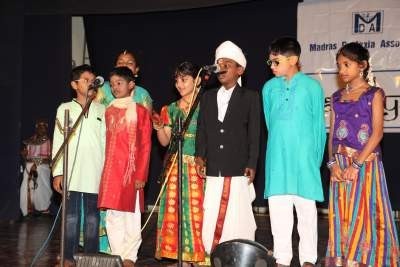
[127, 159]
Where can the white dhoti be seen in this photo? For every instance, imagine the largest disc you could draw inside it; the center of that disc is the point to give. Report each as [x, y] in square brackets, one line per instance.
[39, 197]
[124, 232]
[239, 218]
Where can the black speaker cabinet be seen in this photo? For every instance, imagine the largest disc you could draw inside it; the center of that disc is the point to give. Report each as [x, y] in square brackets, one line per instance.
[241, 253]
[97, 260]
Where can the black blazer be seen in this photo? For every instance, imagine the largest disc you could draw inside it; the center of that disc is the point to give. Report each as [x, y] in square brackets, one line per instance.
[232, 145]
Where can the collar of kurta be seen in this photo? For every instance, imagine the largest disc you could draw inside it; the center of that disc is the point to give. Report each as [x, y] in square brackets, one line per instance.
[129, 104]
[293, 80]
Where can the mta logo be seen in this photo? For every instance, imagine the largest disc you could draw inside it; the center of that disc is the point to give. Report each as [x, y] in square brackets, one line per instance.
[367, 22]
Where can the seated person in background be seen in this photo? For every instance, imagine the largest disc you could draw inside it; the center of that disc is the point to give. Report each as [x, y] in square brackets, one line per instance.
[35, 192]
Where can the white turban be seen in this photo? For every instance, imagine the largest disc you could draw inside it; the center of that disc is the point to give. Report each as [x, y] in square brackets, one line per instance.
[229, 50]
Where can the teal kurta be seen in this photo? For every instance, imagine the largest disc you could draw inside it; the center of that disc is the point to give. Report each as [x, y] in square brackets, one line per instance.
[294, 114]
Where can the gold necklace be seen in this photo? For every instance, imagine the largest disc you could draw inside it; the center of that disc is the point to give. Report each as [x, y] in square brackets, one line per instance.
[184, 105]
[187, 103]
[184, 100]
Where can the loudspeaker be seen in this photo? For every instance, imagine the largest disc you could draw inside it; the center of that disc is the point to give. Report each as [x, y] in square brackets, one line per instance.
[241, 253]
[97, 260]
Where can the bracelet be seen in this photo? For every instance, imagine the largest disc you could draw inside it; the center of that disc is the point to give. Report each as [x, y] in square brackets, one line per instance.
[357, 165]
[158, 127]
[330, 163]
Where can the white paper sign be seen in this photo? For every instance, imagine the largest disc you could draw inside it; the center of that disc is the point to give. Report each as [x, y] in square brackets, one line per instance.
[325, 26]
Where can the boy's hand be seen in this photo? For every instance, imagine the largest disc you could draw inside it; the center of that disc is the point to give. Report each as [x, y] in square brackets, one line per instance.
[34, 167]
[250, 174]
[200, 167]
[57, 183]
[139, 185]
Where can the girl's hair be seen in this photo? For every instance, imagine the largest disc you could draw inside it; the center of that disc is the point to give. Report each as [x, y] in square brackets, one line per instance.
[356, 52]
[186, 68]
[127, 52]
[123, 72]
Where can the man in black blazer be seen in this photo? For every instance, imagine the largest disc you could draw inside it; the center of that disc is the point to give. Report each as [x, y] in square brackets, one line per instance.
[227, 147]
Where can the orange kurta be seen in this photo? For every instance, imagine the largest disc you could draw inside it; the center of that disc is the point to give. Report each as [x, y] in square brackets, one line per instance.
[127, 159]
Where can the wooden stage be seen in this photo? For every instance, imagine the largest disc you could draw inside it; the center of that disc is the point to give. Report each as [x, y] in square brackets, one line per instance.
[20, 241]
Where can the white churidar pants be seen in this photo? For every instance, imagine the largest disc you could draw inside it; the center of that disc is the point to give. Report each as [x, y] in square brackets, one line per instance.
[281, 216]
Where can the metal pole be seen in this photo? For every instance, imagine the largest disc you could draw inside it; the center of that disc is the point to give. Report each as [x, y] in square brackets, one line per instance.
[180, 210]
[64, 188]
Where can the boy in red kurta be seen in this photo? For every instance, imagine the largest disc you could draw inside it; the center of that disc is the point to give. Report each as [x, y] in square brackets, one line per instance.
[128, 144]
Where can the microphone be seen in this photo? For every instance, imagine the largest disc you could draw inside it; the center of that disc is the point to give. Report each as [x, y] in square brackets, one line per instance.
[215, 68]
[98, 82]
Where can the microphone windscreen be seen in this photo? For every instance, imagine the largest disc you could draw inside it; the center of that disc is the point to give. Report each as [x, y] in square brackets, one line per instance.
[99, 80]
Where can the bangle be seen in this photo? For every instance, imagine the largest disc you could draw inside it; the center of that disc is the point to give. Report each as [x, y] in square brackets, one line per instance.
[158, 127]
[357, 165]
[330, 163]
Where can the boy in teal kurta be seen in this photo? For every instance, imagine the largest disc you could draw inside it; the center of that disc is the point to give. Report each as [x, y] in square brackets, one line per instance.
[294, 114]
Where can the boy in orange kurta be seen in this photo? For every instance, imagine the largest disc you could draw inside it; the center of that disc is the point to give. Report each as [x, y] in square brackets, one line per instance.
[128, 144]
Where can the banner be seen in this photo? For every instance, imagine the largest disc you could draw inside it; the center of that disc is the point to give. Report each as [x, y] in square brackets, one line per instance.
[325, 26]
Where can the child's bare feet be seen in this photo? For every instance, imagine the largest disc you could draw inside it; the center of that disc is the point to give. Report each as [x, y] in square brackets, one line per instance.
[128, 263]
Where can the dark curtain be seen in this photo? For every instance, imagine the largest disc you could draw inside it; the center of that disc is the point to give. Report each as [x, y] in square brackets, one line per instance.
[162, 40]
[41, 7]
[46, 69]
[390, 153]
[11, 28]
[36, 62]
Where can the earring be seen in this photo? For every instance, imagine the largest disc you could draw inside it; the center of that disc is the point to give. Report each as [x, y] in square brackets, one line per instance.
[361, 74]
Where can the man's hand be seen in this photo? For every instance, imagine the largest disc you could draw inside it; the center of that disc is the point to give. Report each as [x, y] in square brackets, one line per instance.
[200, 167]
[250, 174]
[57, 183]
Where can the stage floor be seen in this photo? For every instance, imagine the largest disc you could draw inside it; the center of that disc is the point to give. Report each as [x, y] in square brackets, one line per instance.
[20, 241]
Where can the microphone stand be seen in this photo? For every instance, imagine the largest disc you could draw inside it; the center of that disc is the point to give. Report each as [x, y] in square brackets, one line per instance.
[175, 150]
[68, 132]
[180, 211]
[84, 111]
[173, 147]
[64, 187]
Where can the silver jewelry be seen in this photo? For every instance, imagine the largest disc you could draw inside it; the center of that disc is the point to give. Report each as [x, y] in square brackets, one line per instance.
[348, 88]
